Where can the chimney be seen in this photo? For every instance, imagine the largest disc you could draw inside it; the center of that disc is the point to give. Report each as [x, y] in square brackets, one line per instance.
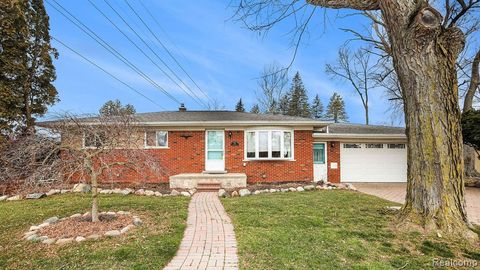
[182, 108]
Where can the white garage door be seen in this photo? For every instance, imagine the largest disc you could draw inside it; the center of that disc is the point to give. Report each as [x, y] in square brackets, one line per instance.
[373, 162]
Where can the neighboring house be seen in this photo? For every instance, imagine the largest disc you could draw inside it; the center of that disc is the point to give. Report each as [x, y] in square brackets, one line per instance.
[236, 148]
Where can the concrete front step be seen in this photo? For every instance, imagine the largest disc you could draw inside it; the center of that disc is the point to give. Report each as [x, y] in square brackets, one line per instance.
[207, 186]
[192, 180]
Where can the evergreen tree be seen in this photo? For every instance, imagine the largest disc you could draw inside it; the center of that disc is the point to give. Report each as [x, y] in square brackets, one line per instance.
[255, 109]
[298, 105]
[27, 72]
[284, 104]
[115, 107]
[336, 109]
[317, 108]
[240, 107]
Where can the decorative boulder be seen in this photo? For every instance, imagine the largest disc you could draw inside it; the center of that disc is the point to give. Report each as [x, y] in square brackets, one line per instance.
[192, 191]
[106, 191]
[137, 221]
[3, 198]
[48, 241]
[127, 228]
[292, 189]
[222, 193]
[53, 192]
[174, 193]
[64, 241]
[112, 233]
[81, 187]
[244, 192]
[272, 190]
[127, 191]
[149, 192]
[235, 193]
[309, 187]
[300, 189]
[284, 190]
[80, 238]
[186, 194]
[256, 192]
[15, 198]
[51, 220]
[34, 196]
[140, 192]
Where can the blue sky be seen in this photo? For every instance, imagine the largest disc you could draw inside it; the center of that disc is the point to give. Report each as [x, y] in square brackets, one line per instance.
[221, 56]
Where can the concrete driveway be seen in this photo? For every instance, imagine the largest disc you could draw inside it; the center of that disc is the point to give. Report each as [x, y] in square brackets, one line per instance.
[395, 192]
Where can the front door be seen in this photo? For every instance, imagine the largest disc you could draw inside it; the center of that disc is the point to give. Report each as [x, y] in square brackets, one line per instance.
[214, 151]
[319, 162]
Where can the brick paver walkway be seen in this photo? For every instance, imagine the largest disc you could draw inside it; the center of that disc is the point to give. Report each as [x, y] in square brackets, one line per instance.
[209, 241]
[396, 192]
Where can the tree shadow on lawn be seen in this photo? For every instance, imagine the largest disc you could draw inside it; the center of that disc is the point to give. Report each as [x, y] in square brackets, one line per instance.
[330, 230]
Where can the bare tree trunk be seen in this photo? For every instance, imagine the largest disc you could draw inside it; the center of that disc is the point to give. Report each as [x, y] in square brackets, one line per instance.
[94, 198]
[474, 83]
[469, 157]
[424, 56]
[366, 115]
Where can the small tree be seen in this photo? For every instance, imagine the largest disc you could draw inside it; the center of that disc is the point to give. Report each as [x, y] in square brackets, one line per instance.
[298, 105]
[336, 109]
[255, 109]
[115, 107]
[240, 107]
[271, 86]
[80, 149]
[317, 108]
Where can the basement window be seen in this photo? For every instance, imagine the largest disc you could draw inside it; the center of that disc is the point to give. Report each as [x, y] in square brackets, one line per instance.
[374, 145]
[156, 139]
[269, 144]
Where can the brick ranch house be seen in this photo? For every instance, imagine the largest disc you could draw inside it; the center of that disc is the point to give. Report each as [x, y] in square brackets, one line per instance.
[234, 148]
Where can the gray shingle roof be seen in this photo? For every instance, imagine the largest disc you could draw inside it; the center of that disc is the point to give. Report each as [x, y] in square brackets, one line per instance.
[345, 128]
[193, 116]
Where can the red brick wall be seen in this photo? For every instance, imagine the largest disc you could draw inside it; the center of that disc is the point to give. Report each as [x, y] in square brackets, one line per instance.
[333, 155]
[187, 155]
[271, 171]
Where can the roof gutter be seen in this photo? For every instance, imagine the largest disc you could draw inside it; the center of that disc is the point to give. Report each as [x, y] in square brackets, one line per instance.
[359, 136]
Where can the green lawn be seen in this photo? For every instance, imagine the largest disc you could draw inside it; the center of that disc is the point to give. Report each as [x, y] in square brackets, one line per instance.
[148, 247]
[329, 230]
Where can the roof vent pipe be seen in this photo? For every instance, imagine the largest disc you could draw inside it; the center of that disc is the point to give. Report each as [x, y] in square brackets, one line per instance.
[182, 108]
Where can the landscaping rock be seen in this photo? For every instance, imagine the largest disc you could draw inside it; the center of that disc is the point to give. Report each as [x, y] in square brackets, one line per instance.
[43, 225]
[137, 221]
[64, 241]
[174, 193]
[81, 187]
[94, 236]
[244, 192]
[42, 238]
[140, 192]
[222, 193]
[15, 198]
[127, 228]
[256, 192]
[149, 192]
[111, 213]
[76, 215]
[192, 191]
[48, 241]
[34, 228]
[320, 187]
[186, 194]
[27, 234]
[53, 192]
[63, 191]
[309, 187]
[106, 191]
[51, 220]
[158, 194]
[300, 189]
[284, 190]
[123, 213]
[112, 233]
[34, 196]
[272, 190]
[127, 191]
[395, 208]
[234, 193]
[32, 237]
[292, 189]
[80, 239]
[3, 198]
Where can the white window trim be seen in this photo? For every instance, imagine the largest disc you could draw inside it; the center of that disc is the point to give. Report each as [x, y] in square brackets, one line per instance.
[156, 141]
[269, 140]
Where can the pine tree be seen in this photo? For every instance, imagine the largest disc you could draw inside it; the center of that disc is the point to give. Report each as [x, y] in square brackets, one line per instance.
[115, 107]
[317, 108]
[284, 104]
[27, 72]
[336, 109]
[298, 105]
[255, 109]
[240, 107]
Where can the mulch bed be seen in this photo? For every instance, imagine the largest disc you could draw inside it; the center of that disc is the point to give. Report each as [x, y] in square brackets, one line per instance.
[83, 226]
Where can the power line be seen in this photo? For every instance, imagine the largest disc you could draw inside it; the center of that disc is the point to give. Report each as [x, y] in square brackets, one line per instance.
[110, 49]
[107, 72]
[161, 43]
[196, 98]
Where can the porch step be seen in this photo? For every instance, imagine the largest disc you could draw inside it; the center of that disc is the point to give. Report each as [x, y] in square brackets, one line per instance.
[192, 180]
[208, 186]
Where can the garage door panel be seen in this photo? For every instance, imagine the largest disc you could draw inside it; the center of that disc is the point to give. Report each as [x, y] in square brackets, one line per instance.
[373, 164]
